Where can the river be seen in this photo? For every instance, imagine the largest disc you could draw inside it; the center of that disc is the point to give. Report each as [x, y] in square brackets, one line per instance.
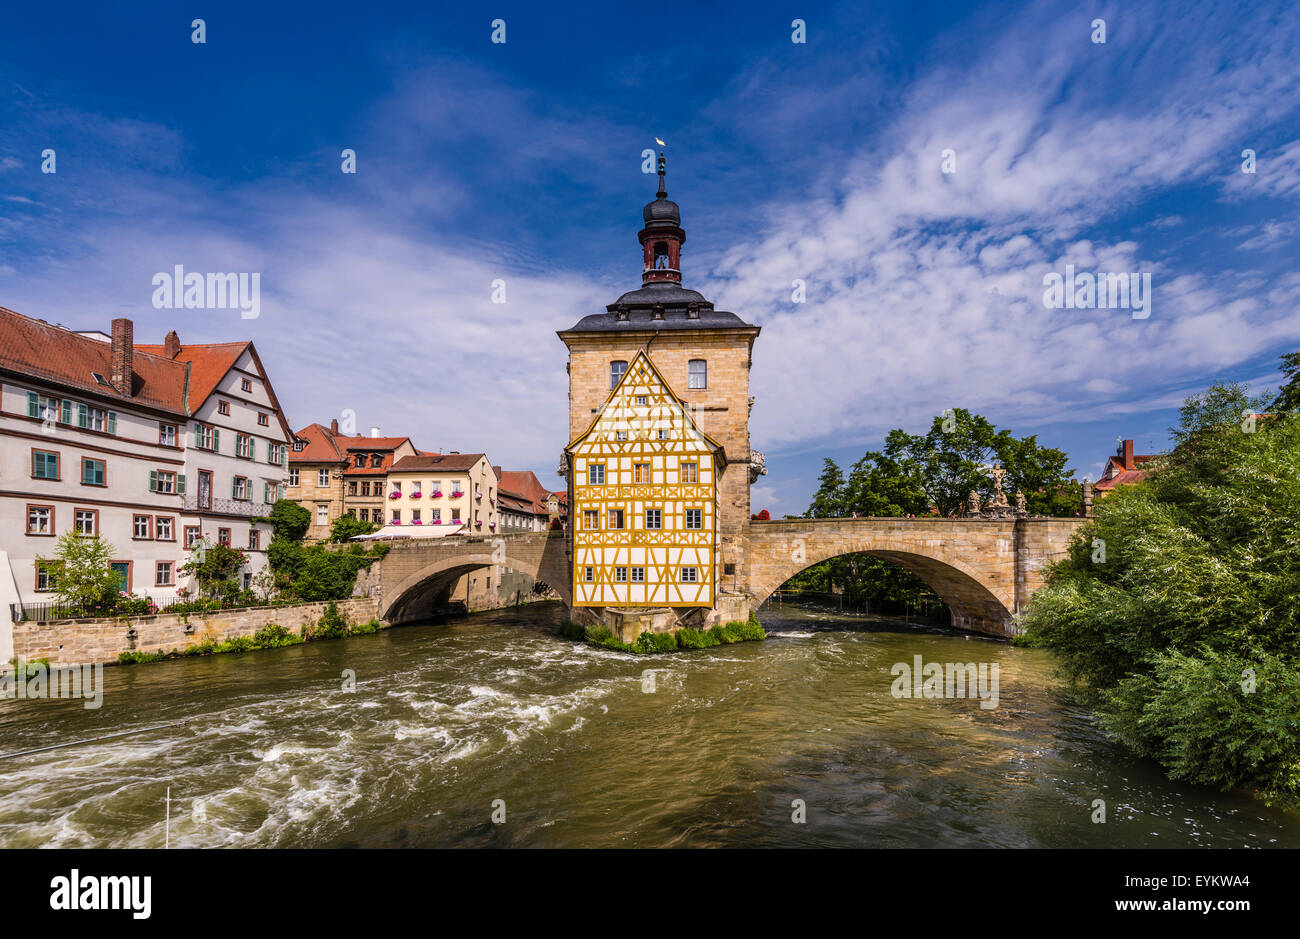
[582, 750]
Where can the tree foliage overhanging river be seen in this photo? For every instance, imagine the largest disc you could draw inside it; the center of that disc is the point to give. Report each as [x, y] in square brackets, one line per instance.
[448, 717]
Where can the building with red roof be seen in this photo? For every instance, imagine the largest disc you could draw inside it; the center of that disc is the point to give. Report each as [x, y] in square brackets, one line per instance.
[333, 474]
[1123, 467]
[154, 447]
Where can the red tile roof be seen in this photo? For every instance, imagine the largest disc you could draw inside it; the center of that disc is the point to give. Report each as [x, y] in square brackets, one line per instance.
[447, 463]
[1123, 477]
[37, 349]
[320, 448]
[209, 363]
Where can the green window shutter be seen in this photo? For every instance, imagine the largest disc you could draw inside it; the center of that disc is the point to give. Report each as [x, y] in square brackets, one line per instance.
[112, 422]
[180, 483]
[252, 448]
[216, 440]
[284, 454]
[33, 404]
[83, 416]
[198, 436]
[66, 412]
[234, 487]
[153, 480]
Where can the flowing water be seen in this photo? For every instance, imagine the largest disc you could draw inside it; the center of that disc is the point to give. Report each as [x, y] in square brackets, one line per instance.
[584, 750]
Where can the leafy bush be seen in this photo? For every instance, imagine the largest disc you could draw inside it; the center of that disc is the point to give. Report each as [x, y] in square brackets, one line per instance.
[749, 630]
[1196, 716]
[275, 636]
[332, 624]
[656, 642]
[365, 629]
[138, 658]
[349, 526]
[688, 638]
[602, 636]
[1198, 583]
[571, 630]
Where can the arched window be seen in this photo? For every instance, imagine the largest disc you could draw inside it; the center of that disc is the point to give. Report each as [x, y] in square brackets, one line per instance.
[698, 375]
[616, 370]
[661, 255]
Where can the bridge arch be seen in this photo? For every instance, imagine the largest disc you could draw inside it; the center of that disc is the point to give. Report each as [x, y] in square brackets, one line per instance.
[418, 575]
[970, 563]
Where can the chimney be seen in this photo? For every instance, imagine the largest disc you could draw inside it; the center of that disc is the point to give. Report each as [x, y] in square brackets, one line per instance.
[1128, 455]
[374, 431]
[334, 427]
[121, 352]
[172, 345]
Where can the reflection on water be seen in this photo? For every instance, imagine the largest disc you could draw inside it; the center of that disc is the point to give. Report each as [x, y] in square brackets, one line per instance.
[448, 717]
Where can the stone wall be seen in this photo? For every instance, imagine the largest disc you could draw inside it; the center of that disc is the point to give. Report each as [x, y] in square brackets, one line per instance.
[86, 641]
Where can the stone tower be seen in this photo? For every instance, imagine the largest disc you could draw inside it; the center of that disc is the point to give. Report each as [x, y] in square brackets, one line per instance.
[704, 355]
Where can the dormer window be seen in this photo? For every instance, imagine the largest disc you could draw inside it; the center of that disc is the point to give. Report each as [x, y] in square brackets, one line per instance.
[376, 459]
[360, 460]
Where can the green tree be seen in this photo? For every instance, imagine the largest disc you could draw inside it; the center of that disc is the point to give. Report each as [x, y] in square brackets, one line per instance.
[216, 570]
[349, 526]
[829, 499]
[950, 460]
[289, 520]
[1175, 608]
[81, 574]
[1288, 397]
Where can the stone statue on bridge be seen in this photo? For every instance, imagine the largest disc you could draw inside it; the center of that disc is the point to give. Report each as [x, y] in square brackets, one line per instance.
[1022, 508]
[973, 504]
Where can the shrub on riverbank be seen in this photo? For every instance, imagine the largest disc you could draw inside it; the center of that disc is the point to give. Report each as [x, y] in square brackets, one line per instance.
[571, 630]
[331, 625]
[1175, 611]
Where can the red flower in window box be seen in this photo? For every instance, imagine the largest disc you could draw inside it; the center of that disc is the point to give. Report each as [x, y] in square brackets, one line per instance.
[415, 495]
[394, 495]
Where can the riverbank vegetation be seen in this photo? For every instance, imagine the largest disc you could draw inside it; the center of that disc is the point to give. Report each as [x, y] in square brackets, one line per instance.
[649, 643]
[928, 475]
[1177, 611]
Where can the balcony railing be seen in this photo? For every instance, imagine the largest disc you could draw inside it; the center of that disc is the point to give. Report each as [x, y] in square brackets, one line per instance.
[242, 507]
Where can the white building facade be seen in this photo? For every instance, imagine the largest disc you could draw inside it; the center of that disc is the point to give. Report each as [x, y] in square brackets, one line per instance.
[153, 448]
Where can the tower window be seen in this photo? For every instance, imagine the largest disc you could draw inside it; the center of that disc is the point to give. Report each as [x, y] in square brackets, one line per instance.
[698, 376]
[661, 255]
[616, 370]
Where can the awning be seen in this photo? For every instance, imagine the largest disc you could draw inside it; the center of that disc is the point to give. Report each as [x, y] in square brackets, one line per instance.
[413, 531]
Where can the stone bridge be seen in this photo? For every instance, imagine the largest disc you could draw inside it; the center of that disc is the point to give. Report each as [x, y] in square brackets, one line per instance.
[983, 569]
[417, 574]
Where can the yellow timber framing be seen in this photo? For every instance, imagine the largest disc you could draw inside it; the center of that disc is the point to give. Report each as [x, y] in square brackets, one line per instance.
[641, 439]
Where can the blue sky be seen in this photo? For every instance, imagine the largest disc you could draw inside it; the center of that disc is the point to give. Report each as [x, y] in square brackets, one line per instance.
[817, 161]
